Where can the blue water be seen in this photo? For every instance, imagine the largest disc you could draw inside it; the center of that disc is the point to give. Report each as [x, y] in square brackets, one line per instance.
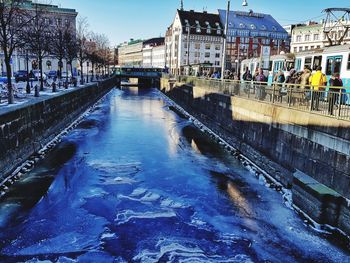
[137, 183]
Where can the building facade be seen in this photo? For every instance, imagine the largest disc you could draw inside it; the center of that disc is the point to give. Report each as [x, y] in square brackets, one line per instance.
[130, 53]
[154, 53]
[311, 36]
[248, 32]
[53, 16]
[194, 41]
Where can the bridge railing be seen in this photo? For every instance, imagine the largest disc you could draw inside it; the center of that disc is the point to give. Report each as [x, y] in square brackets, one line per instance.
[324, 100]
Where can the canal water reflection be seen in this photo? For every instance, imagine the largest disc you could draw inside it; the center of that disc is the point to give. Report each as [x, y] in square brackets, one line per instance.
[134, 182]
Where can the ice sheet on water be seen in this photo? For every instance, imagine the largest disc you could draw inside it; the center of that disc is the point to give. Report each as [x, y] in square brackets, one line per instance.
[125, 216]
[122, 169]
[120, 180]
[138, 192]
[146, 196]
[172, 250]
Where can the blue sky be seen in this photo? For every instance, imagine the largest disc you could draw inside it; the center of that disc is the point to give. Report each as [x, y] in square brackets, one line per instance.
[121, 20]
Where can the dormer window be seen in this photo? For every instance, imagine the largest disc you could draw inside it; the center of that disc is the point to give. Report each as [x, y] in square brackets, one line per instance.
[208, 28]
[274, 28]
[252, 26]
[198, 27]
[241, 25]
[218, 30]
[187, 25]
[263, 27]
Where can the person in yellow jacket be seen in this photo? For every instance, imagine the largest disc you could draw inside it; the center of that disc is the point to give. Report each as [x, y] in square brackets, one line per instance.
[317, 81]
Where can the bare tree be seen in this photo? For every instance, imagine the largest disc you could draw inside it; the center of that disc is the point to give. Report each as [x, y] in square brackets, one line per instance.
[37, 37]
[82, 34]
[71, 48]
[58, 46]
[11, 23]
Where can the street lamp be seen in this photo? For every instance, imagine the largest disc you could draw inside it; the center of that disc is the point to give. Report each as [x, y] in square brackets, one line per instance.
[27, 60]
[223, 64]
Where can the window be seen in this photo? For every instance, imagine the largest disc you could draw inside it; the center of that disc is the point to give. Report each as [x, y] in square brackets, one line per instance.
[317, 62]
[348, 67]
[217, 63]
[329, 66]
[307, 37]
[308, 62]
[217, 47]
[207, 54]
[312, 47]
[306, 48]
[295, 50]
[316, 37]
[298, 64]
[207, 46]
[197, 46]
[217, 55]
[333, 65]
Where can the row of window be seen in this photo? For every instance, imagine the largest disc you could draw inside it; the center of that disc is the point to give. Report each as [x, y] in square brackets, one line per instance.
[207, 27]
[197, 61]
[316, 37]
[306, 48]
[207, 46]
[333, 64]
[197, 54]
[307, 37]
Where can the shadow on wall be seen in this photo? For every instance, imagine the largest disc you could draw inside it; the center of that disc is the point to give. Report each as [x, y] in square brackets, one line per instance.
[280, 140]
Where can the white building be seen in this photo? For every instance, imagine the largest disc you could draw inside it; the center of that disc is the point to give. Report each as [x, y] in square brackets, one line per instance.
[154, 53]
[194, 43]
[53, 16]
[312, 36]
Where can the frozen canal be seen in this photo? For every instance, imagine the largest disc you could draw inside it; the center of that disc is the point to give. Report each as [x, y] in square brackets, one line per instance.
[134, 182]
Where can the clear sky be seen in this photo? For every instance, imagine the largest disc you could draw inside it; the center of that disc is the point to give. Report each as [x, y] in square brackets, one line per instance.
[121, 20]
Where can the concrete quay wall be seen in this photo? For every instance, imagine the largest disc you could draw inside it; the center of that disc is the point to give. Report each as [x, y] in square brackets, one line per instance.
[283, 141]
[26, 128]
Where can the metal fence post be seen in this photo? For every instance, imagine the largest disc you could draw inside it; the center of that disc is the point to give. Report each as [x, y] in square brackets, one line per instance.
[290, 95]
[312, 98]
[340, 102]
[273, 93]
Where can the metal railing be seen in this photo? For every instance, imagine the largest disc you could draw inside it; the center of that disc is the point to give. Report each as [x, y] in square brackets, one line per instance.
[325, 100]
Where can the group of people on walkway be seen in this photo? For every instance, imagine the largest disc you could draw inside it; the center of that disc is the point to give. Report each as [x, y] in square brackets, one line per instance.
[307, 81]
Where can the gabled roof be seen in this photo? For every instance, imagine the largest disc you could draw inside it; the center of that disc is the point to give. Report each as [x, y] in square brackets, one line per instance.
[249, 24]
[202, 20]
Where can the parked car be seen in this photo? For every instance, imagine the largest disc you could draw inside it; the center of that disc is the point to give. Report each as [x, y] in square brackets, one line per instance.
[21, 75]
[37, 75]
[3, 80]
[51, 74]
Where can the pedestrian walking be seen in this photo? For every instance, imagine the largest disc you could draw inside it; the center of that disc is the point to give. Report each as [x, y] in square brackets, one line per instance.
[318, 81]
[335, 84]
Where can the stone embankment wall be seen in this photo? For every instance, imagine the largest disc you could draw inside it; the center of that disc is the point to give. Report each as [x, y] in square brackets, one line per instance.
[307, 152]
[26, 128]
